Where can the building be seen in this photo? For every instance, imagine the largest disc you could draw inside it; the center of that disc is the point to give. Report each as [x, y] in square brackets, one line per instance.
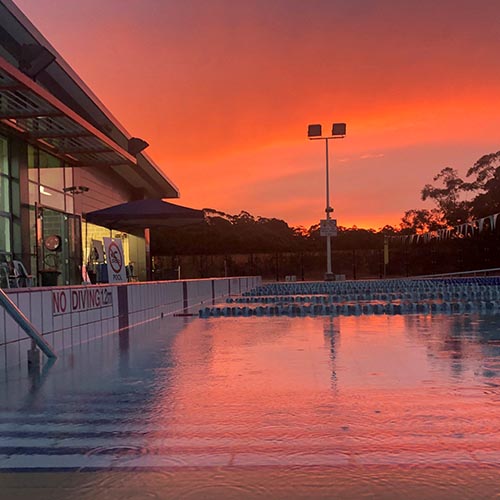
[62, 154]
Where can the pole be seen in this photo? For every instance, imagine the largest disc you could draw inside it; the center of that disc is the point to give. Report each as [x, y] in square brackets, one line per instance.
[328, 275]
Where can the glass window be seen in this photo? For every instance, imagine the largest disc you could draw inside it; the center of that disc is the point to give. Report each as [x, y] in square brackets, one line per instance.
[4, 234]
[51, 198]
[4, 194]
[17, 245]
[14, 167]
[4, 156]
[32, 164]
[32, 229]
[32, 153]
[33, 174]
[45, 160]
[16, 201]
[52, 177]
[70, 204]
[68, 176]
[34, 193]
[45, 168]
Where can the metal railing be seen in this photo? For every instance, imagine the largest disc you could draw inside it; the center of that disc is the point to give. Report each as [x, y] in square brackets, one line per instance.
[18, 316]
[476, 272]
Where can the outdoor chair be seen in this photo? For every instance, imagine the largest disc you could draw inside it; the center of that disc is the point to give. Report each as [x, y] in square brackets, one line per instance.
[4, 276]
[20, 277]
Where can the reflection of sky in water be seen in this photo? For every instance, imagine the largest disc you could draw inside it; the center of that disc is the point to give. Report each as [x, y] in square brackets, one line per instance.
[344, 391]
[283, 387]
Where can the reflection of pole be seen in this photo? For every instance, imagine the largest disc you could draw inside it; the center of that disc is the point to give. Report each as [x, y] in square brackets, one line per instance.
[331, 330]
[386, 254]
[147, 239]
[327, 210]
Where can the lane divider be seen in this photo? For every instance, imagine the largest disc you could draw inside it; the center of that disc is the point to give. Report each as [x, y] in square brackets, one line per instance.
[404, 296]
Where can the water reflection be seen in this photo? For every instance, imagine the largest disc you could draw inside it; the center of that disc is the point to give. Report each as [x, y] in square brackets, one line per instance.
[331, 331]
[258, 391]
[468, 342]
[283, 394]
[123, 349]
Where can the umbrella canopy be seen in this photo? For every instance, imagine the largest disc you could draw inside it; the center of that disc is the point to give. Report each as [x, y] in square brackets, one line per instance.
[137, 215]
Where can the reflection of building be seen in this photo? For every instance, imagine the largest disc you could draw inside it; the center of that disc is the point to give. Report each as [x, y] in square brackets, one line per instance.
[55, 138]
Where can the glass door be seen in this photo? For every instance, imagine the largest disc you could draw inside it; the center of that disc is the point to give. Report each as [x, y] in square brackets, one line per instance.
[59, 248]
[74, 231]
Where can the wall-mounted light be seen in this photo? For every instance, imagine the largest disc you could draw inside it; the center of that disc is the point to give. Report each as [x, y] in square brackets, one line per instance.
[136, 145]
[76, 189]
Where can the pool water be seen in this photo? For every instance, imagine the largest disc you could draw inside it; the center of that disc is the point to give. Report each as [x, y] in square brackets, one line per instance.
[305, 407]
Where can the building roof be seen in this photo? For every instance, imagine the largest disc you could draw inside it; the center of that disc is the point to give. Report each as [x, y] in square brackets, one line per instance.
[44, 100]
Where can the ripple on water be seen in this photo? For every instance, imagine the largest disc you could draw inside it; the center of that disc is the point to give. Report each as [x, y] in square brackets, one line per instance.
[118, 451]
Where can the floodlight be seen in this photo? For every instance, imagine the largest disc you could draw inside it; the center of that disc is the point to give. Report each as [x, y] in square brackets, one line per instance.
[338, 129]
[314, 130]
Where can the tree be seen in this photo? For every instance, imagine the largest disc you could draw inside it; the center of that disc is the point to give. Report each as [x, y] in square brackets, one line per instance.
[422, 221]
[487, 171]
[454, 210]
[484, 169]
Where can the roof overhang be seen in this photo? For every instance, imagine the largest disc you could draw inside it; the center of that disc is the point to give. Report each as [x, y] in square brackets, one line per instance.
[42, 119]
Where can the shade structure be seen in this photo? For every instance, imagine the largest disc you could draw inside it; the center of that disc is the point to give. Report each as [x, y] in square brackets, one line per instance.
[135, 216]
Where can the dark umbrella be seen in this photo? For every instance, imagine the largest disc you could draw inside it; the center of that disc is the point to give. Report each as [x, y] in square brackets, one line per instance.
[141, 214]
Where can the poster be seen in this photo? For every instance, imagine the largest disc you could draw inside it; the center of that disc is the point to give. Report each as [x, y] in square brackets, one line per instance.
[96, 251]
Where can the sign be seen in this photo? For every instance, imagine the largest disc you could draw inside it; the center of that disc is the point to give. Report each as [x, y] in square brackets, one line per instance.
[96, 251]
[115, 260]
[328, 227]
[80, 299]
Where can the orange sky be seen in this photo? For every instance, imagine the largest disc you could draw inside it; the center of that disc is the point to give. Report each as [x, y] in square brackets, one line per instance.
[223, 90]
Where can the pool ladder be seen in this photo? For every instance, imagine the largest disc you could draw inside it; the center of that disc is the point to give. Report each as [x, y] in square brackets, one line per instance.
[37, 339]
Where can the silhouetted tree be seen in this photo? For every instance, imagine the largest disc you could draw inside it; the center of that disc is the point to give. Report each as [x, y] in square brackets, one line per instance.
[453, 209]
[487, 171]
[422, 221]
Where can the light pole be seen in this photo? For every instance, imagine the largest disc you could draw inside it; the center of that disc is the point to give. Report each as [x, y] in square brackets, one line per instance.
[328, 226]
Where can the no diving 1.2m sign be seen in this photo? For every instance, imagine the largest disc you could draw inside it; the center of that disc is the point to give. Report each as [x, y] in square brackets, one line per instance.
[115, 260]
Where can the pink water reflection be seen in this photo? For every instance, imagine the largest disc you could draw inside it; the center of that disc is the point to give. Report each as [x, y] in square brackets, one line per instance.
[342, 391]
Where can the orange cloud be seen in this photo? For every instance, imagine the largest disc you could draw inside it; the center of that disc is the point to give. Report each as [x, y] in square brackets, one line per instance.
[223, 91]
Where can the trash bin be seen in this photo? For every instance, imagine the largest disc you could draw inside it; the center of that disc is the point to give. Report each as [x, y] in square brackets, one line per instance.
[102, 273]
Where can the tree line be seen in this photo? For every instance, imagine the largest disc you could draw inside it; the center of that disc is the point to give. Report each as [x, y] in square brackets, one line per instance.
[223, 233]
[457, 200]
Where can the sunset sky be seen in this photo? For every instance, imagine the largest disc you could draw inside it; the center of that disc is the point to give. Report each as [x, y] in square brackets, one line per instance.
[223, 90]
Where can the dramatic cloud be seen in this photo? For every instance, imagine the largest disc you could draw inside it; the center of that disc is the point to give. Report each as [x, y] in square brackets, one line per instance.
[223, 91]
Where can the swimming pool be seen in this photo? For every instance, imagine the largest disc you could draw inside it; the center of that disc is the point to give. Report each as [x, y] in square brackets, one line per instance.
[303, 407]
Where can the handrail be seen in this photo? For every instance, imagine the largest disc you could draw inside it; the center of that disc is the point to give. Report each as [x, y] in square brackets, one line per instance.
[18, 316]
[459, 273]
